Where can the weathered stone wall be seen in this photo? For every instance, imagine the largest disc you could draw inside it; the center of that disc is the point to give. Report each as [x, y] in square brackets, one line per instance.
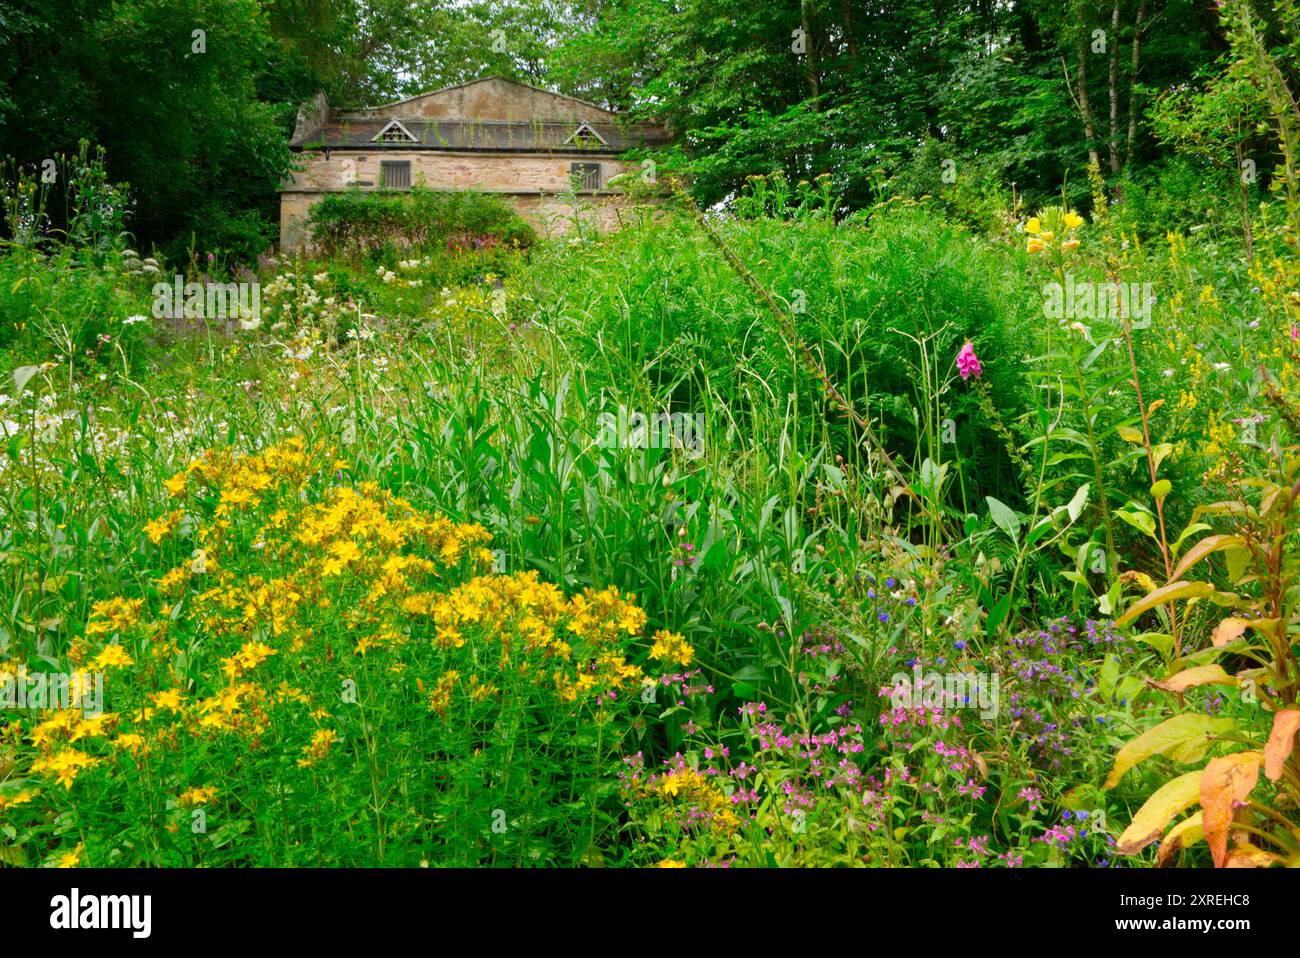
[448, 170]
[533, 184]
[492, 99]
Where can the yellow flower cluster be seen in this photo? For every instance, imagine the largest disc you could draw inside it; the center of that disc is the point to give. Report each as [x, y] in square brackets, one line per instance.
[192, 797]
[241, 480]
[319, 583]
[113, 615]
[1050, 224]
[694, 798]
[319, 747]
[671, 647]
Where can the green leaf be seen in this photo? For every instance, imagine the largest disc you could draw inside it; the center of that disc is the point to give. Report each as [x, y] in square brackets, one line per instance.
[1076, 505]
[998, 613]
[1203, 548]
[1184, 738]
[1191, 529]
[1144, 522]
[1130, 434]
[1161, 452]
[1237, 559]
[1166, 593]
[1160, 489]
[1004, 518]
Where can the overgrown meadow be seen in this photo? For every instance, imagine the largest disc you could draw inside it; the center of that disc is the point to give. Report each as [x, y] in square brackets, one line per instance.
[767, 539]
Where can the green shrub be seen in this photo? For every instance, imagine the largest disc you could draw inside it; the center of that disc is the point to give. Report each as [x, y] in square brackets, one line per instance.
[358, 222]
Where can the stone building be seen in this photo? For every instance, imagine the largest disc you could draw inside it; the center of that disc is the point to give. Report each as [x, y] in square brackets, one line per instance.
[528, 145]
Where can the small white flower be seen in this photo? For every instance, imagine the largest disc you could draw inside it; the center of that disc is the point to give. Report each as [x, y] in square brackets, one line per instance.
[132, 320]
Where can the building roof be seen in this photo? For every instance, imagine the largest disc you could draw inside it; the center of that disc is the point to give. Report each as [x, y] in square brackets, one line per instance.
[491, 78]
[491, 114]
[511, 136]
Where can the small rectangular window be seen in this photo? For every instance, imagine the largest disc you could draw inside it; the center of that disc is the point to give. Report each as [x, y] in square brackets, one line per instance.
[397, 174]
[585, 176]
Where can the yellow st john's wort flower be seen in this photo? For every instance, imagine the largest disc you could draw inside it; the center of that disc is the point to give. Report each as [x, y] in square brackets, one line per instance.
[157, 529]
[671, 647]
[319, 747]
[65, 765]
[112, 657]
[70, 859]
[167, 699]
[196, 796]
[12, 801]
[113, 615]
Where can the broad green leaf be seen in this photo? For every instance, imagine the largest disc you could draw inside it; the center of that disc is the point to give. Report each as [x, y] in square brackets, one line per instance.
[1237, 559]
[1004, 518]
[1203, 548]
[1184, 738]
[1107, 676]
[998, 613]
[1076, 505]
[1166, 593]
[1191, 529]
[1144, 522]
[1131, 434]
[1160, 489]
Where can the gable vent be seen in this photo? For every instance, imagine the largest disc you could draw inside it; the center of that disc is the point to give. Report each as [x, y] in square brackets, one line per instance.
[394, 132]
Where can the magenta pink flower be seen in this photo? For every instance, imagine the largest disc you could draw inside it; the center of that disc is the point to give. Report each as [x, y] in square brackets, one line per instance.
[967, 363]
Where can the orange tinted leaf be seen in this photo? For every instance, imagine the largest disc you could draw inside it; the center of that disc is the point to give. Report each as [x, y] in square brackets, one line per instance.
[1225, 782]
[1229, 630]
[1285, 724]
[1190, 678]
[1166, 593]
[1247, 855]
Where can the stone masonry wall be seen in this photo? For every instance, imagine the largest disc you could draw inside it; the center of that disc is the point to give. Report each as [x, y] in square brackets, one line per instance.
[533, 183]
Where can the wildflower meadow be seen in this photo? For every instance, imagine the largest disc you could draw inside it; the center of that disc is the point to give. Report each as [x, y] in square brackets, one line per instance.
[875, 489]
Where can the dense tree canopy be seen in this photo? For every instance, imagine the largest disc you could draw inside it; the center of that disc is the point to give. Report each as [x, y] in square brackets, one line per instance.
[194, 99]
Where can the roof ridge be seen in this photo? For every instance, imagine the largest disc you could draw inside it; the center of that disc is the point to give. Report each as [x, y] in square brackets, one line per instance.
[485, 79]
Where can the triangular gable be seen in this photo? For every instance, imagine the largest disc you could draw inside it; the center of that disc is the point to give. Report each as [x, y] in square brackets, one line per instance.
[586, 132]
[383, 136]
